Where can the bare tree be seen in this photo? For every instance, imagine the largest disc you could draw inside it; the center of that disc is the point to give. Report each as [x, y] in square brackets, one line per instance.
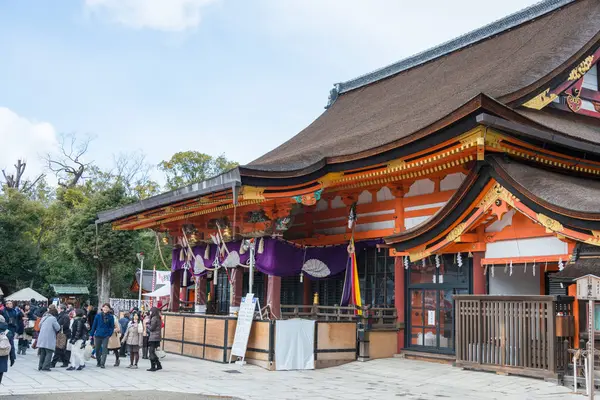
[132, 169]
[68, 165]
[16, 181]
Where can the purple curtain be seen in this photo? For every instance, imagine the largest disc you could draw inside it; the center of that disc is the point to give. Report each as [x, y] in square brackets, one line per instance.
[280, 258]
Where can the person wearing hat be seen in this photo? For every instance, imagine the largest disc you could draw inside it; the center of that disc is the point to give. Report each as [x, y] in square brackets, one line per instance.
[11, 356]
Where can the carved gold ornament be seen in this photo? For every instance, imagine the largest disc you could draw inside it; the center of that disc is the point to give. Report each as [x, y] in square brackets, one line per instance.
[550, 224]
[497, 192]
[418, 255]
[253, 193]
[541, 100]
[581, 69]
[396, 165]
[454, 235]
[593, 241]
[330, 178]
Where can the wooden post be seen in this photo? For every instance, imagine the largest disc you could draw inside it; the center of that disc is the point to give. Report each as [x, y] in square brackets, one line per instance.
[237, 277]
[201, 295]
[399, 298]
[306, 294]
[175, 287]
[478, 276]
[591, 387]
[551, 321]
[274, 295]
[572, 291]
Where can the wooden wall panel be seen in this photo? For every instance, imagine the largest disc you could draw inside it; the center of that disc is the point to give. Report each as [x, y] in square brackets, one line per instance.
[194, 330]
[336, 335]
[382, 344]
[215, 331]
[213, 354]
[173, 327]
[346, 356]
[259, 335]
[172, 347]
[231, 332]
[192, 350]
[254, 355]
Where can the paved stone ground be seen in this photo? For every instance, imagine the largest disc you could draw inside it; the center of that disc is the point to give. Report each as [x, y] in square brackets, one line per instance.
[379, 379]
[122, 396]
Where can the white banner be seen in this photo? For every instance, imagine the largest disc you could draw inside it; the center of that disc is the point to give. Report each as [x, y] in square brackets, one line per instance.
[163, 278]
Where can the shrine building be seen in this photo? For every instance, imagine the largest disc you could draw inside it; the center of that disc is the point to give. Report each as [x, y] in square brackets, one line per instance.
[471, 168]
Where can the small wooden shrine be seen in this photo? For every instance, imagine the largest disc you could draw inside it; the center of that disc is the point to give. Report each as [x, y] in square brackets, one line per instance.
[470, 168]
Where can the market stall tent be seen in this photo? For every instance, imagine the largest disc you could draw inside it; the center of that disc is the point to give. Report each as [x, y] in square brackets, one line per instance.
[26, 295]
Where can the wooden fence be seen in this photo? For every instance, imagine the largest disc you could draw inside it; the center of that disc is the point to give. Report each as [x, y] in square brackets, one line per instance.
[372, 318]
[511, 334]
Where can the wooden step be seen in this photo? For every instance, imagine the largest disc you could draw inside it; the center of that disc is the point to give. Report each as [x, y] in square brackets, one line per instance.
[425, 356]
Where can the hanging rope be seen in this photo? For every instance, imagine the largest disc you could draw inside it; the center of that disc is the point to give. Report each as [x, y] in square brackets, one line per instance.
[160, 250]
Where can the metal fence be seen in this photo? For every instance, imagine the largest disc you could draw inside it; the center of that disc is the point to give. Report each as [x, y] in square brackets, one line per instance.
[121, 305]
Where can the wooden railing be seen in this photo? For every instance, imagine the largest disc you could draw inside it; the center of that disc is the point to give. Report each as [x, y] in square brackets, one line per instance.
[372, 318]
[512, 334]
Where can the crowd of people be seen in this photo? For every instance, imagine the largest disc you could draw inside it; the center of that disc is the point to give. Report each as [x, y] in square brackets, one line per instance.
[68, 337]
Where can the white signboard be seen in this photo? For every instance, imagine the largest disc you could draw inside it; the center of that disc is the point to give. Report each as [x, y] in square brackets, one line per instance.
[588, 287]
[430, 317]
[244, 324]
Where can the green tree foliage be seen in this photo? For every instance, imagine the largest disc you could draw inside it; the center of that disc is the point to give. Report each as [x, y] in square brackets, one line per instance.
[20, 236]
[188, 167]
[48, 234]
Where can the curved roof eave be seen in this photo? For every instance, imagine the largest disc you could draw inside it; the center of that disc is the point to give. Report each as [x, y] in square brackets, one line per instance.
[466, 194]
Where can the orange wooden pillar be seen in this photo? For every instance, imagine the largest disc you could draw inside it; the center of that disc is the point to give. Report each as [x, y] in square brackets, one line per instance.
[479, 286]
[572, 291]
[399, 298]
[399, 275]
[274, 295]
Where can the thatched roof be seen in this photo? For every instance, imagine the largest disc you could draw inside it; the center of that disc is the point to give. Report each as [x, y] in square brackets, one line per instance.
[387, 110]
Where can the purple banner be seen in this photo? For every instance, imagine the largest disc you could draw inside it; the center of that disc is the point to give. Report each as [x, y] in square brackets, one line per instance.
[281, 258]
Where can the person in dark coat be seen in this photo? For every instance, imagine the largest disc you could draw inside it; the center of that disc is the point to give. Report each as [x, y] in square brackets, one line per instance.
[27, 334]
[13, 318]
[91, 314]
[155, 328]
[32, 315]
[102, 329]
[124, 323]
[146, 322]
[64, 321]
[4, 360]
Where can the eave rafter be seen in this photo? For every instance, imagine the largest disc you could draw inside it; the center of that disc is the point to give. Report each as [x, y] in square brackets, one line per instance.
[494, 141]
[496, 200]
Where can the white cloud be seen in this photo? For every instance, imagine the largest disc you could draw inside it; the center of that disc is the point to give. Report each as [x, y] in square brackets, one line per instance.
[24, 139]
[163, 15]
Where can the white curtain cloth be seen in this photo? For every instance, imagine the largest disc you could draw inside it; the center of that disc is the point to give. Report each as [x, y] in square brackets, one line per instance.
[294, 344]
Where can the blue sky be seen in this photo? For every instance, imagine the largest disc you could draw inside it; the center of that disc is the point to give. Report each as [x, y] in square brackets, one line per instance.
[236, 77]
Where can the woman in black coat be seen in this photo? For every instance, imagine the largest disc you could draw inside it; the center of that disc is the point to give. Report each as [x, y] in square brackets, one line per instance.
[12, 356]
[154, 336]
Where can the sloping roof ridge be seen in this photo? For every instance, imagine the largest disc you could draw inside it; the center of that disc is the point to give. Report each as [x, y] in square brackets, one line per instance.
[527, 14]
